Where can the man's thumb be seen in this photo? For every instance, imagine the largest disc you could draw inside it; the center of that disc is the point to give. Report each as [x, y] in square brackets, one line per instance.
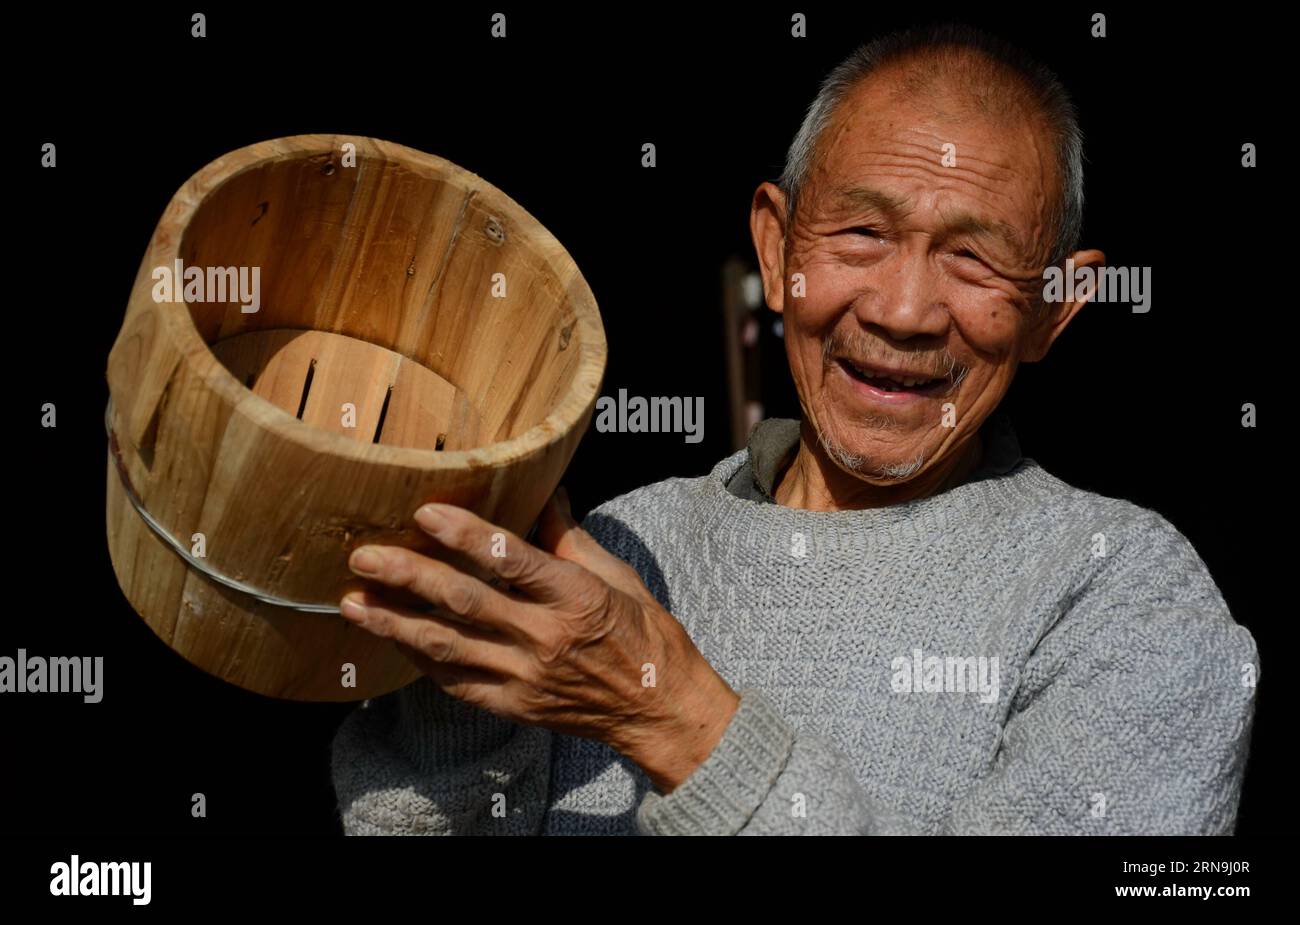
[561, 535]
[562, 502]
[557, 531]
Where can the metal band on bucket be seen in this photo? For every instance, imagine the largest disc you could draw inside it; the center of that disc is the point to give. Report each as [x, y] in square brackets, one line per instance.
[181, 550]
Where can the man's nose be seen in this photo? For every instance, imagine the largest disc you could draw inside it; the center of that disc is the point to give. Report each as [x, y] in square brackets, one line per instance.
[903, 296]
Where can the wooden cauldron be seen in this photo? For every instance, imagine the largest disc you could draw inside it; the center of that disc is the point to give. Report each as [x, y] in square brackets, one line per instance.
[402, 332]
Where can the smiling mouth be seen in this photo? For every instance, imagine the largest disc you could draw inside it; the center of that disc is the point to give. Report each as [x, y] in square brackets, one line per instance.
[894, 382]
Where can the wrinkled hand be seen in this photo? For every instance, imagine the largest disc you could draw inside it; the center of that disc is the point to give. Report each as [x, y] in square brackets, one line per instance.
[567, 639]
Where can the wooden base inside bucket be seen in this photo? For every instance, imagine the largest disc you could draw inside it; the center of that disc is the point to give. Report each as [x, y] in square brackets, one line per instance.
[353, 388]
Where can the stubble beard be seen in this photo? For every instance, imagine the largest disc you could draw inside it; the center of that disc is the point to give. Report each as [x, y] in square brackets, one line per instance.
[946, 365]
[861, 465]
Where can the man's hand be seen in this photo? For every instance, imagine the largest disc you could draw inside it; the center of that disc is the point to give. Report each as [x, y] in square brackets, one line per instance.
[565, 646]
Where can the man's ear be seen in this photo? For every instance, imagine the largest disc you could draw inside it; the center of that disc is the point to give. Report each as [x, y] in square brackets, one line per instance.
[1057, 315]
[767, 219]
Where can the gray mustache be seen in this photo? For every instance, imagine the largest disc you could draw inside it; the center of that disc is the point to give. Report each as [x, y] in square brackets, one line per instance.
[941, 365]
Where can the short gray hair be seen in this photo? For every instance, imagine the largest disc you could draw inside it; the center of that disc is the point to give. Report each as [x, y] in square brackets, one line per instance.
[1037, 86]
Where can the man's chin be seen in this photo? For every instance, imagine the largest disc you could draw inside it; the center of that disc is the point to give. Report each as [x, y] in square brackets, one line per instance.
[890, 473]
[871, 463]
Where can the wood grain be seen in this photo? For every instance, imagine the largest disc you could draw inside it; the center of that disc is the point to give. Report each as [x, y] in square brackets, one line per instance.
[383, 280]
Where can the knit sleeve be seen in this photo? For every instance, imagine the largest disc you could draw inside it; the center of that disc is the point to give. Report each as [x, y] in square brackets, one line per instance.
[419, 762]
[1134, 712]
[1133, 717]
[766, 778]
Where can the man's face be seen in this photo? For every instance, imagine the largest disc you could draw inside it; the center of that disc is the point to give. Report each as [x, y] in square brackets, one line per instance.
[920, 240]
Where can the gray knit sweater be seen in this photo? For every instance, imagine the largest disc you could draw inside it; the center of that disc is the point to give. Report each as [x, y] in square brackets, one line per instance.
[1011, 656]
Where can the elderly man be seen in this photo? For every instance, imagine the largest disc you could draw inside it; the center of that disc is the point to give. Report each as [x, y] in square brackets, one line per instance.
[878, 619]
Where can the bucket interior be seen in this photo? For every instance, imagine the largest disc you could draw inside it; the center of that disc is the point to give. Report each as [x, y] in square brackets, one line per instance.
[380, 302]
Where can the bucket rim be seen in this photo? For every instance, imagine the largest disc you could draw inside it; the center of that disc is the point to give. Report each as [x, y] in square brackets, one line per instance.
[570, 413]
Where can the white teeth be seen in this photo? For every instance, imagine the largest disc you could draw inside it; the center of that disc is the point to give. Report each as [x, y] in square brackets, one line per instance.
[907, 382]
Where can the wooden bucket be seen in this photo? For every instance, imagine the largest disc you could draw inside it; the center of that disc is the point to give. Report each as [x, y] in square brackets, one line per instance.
[417, 337]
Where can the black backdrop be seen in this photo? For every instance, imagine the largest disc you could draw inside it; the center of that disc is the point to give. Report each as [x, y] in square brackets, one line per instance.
[1140, 406]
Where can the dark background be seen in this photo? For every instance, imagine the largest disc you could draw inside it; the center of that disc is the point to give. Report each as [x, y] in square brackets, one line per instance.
[1145, 407]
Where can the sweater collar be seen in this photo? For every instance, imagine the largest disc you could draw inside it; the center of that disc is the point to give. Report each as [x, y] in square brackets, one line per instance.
[1004, 483]
[774, 442]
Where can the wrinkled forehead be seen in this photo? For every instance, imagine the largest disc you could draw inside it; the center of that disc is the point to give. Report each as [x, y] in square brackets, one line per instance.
[931, 147]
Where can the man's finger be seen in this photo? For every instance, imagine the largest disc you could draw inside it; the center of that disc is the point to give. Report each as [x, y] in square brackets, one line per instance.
[440, 641]
[537, 574]
[472, 686]
[438, 583]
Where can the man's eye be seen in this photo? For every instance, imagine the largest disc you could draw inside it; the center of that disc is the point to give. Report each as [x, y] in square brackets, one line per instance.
[865, 231]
